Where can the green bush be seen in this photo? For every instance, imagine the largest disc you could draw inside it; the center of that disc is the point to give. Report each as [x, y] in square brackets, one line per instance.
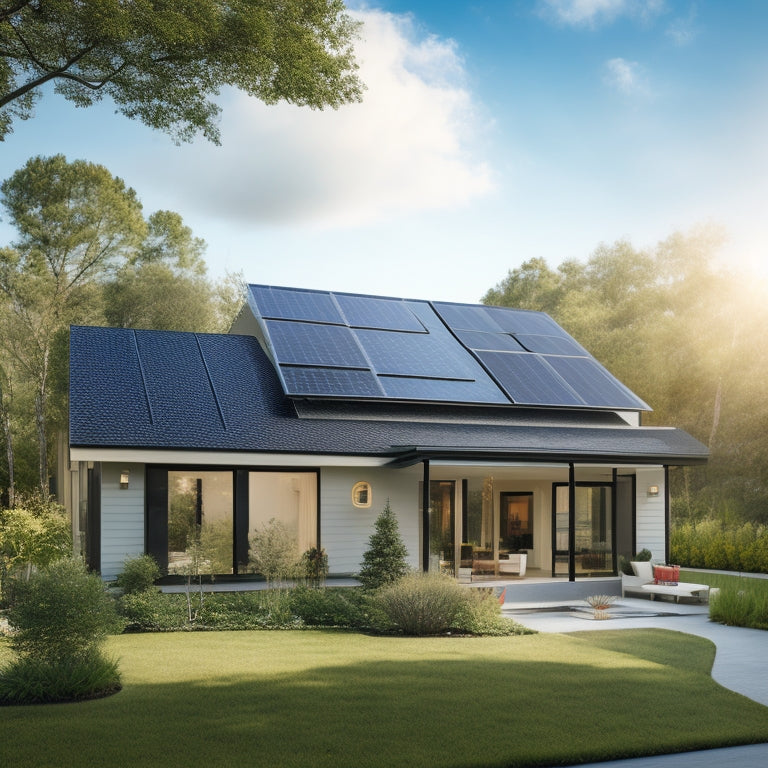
[434, 603]
[314, 565]
[158, 612]
[62, 612]
[33, 534]
[29, 680]
[340, 607]
[714, 545]
[273, 552]
[384, 562]
[139, 574]
[60, 617]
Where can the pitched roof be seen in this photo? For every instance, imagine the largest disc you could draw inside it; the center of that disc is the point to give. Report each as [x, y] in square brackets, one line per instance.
[216, 392]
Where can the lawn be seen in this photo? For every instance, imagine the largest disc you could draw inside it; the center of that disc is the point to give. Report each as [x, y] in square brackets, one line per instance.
[335, 699]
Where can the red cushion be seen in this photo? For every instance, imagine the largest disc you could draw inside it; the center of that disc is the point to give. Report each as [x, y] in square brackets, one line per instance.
[666, 574]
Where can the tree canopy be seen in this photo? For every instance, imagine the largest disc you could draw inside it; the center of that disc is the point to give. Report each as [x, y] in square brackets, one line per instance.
[85, 254]
[165, 61]
[686, 336]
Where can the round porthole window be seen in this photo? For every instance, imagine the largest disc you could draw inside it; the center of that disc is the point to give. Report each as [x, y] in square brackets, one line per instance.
[361, 495]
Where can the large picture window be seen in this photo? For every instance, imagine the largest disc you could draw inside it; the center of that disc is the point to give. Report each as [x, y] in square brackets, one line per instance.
[202, 521]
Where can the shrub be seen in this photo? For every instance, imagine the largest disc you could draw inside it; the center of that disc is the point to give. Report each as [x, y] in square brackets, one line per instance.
[273, 552]
[29, 680]
[32, 535]
[314, 565]
[62, 612]
[60, 618]
[340, 607]
[384, 562]
[139, 574]
[434, 603]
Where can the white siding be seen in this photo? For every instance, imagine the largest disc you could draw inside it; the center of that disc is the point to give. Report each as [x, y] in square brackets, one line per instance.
[122, 517]
[650, 512]
[345, 529]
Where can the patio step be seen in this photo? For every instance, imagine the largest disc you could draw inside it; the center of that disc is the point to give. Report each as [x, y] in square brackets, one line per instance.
[556, 591]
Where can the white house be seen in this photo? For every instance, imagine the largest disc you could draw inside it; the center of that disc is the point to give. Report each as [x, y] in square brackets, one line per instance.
[490, 431]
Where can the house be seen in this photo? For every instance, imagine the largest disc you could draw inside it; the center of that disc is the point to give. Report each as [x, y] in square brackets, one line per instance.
[490, 430]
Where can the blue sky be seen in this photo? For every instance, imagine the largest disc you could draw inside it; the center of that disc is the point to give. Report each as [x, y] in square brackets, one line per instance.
[490, 133]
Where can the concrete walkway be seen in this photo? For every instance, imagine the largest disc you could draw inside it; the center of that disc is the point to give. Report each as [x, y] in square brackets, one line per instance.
[741, 663]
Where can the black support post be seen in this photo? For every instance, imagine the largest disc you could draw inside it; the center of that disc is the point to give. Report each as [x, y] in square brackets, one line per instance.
[571, 522]
[425, 518]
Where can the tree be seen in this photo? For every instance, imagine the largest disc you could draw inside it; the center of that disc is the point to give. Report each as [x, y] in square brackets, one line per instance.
[385, 559]
[164, 62]
[75, 222]
[688, 337]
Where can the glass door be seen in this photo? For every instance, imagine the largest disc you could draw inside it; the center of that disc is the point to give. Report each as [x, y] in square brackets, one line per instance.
[595, 537]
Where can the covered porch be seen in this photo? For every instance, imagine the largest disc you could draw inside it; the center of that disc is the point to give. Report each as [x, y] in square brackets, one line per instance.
[538, 524]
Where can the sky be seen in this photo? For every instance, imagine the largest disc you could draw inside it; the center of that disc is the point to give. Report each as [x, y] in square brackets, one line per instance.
[490, 133]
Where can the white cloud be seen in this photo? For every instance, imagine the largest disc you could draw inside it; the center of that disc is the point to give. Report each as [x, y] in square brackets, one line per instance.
[682, 30]
[625, 76]
[594, 12]
[410, 145]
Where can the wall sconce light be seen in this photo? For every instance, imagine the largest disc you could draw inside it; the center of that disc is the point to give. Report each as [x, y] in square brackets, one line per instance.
[361, 495]
[653, 490]
[125, 478]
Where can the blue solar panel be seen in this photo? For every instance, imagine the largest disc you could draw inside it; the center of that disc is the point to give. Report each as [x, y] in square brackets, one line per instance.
[551, 345]
[291, 304]
[594, 384]
[311, 344]
[386, 314]
[354, 346]
[330, 382]
[524, 321]
[528, 379]
[501, 342]
[416, 354]
[467, 317]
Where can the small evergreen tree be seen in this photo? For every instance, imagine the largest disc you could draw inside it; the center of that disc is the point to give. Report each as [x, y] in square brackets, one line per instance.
[385, 560]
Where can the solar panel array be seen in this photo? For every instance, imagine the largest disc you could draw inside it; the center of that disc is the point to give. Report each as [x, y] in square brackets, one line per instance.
[353, 347]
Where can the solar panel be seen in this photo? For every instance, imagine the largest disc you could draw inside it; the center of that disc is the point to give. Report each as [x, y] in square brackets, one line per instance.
[354, 346]
[313, 344]
[293, 304]
[594, 384]
[525, 321]
[528, 379]
[330, 382]
[550, 345]
[416, 354]
[501, 342]
[385, 314]
[467, 317]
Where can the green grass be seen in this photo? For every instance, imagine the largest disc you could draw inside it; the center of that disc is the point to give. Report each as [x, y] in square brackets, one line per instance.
[335, 699]
[741, 602]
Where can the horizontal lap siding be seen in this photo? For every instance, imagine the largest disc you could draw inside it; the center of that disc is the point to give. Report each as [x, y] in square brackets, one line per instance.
[650, 512]
[122, 517]
[345, 530]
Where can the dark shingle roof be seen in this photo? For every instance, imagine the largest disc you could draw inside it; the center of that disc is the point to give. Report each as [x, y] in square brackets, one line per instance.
[211, 392]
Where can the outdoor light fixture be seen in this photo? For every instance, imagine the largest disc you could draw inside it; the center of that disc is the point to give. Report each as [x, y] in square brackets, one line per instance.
[361, 495]
[653, 490]
[125, 478]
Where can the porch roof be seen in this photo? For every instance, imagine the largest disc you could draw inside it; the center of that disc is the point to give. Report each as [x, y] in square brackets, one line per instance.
[215, 392]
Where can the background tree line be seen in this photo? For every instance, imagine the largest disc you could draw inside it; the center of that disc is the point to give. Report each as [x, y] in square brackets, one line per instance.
[85, 254]
[686, 336]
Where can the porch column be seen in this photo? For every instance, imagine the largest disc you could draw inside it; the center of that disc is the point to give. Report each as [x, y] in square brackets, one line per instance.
[425, 518]
[666, 513]
[571, 522]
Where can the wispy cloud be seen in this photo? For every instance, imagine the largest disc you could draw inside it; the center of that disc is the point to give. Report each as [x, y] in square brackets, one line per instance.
[596, 12]
[412, 144]
[683, 30]
[625, 76]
